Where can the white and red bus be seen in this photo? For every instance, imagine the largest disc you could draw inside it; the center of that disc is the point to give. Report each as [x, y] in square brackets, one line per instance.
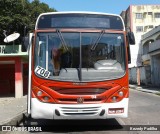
[78, 66]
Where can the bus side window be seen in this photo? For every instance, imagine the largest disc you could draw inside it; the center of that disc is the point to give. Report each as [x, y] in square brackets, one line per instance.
[41, 54]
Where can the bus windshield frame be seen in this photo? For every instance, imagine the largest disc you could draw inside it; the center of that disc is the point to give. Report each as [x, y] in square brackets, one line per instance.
[89, 44]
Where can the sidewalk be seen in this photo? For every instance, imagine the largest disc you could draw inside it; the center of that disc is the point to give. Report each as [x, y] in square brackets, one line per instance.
[12, 110]
[147, 89]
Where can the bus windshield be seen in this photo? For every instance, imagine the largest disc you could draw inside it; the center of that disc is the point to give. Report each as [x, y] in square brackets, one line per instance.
[80, 56]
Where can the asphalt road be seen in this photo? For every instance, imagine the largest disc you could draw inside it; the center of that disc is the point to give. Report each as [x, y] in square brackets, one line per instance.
[144, 109]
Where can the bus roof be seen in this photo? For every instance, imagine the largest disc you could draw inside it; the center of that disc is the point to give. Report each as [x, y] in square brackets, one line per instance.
[77, 12]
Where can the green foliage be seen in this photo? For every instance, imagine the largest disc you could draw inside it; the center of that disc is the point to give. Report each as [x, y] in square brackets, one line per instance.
[17, 14]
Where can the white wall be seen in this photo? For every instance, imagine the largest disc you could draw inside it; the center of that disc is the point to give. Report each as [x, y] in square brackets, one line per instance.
[133, 75]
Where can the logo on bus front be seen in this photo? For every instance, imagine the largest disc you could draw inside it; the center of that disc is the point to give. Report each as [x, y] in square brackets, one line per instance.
[80, 100]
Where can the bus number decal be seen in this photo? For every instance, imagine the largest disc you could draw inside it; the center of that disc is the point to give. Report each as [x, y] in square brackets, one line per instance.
[42, 72]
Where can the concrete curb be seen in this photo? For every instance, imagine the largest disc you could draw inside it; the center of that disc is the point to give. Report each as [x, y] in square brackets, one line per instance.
[143, 89]
[14, 120]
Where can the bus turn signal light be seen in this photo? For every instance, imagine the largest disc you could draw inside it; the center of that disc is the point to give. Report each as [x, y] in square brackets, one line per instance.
[42, 95]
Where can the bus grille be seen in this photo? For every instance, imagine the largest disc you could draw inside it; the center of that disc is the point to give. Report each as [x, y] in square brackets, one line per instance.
[87, 100]
[80, 110]
[80, 91]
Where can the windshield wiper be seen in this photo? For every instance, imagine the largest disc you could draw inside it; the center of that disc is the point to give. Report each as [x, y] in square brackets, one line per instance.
[97, 40]
[62, 39]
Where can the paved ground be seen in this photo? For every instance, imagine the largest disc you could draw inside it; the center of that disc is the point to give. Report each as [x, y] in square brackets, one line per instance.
[11, 110]
[144, 109]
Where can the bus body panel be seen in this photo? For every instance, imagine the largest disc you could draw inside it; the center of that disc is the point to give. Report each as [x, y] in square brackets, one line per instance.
[42, 110]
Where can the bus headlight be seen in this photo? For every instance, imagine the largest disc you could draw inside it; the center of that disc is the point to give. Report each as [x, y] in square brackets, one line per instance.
[39, 93]
[118, 96]
[121, 93]
[42, 95]
[114, 98]
[46, 98]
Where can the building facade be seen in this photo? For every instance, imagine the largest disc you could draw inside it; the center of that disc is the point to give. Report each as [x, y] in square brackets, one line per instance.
[140, 19]
[150, 45]
[13, 70]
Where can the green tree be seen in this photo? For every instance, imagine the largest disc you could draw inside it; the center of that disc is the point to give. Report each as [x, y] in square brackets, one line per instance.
[36, 9]
[15, 15]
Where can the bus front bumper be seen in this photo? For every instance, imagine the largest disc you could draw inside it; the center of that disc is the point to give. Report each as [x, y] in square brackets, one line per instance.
[40, 110]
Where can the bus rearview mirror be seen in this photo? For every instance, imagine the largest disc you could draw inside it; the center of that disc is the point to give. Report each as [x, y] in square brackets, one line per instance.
[131, 38]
